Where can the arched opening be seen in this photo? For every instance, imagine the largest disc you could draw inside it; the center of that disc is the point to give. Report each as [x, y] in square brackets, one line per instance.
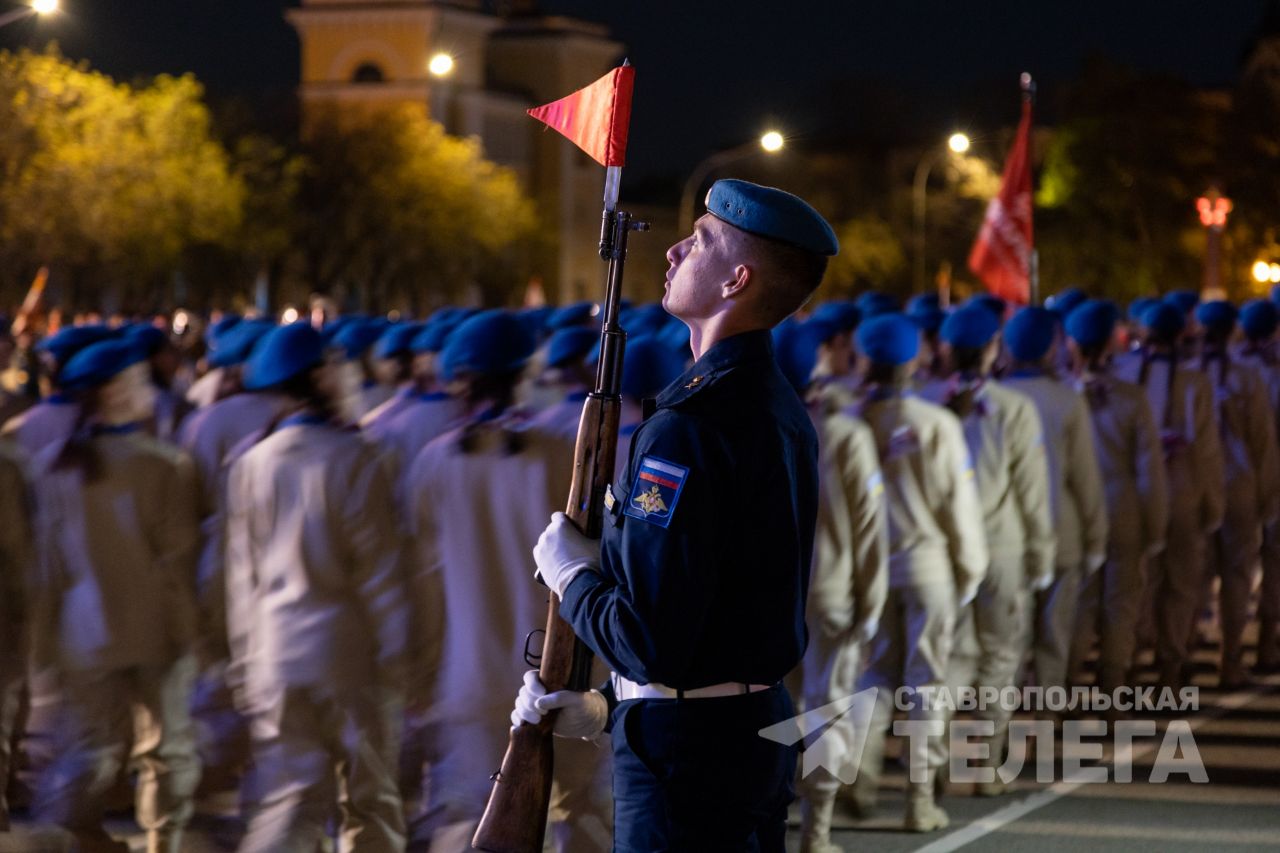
[368, 72]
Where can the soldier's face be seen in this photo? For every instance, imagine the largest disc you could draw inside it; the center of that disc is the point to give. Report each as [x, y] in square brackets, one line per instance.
[701, 264]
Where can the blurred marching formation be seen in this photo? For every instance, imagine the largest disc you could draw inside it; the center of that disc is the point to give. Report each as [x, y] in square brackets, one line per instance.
[286, 567]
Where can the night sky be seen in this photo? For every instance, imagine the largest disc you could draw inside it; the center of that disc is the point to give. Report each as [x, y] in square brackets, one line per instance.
[713, 74]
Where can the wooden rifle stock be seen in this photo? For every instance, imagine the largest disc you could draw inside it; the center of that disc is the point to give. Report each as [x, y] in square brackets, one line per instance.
[515, 819]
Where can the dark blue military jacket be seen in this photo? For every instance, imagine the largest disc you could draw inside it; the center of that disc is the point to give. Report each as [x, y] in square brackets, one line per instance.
[708, 538]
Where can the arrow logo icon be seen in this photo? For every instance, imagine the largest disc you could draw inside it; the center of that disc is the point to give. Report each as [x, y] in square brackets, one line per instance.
[841, 728]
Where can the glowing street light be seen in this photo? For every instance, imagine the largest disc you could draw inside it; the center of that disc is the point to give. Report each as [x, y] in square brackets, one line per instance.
[441, 65]
[771, 143]
[1261, 272]
[957, 144]
[37, 7]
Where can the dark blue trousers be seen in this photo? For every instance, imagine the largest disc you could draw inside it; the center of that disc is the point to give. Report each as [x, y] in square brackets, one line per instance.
[695, 775]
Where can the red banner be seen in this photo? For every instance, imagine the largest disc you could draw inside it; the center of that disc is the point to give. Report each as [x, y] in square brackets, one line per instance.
[1001, 256]
[596, 118]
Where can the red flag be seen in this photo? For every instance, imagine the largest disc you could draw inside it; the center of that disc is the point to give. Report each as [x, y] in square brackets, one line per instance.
[595, 118]
[1001, 255]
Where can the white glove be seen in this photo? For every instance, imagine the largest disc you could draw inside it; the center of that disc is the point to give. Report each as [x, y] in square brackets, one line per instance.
[1093, 562]
[967, 592]
[562, 552]
[865, 631]
[581, 714]
[1041, 582]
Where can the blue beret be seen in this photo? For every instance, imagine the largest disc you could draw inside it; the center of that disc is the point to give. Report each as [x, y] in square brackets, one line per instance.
[491, 342]
[845, 316]
[1218, 316]
[433, 336]
[992, 303]
[772, 213]
[99, 362]
[1259, 318]
[1139, 306]
[220, 328]
[929, 320]
[1164, 320]
[796, 350]
[570, 344]
[396, 341]
[922, 302]
[71, 339]
[1275, 294]
[147, 337]
[1092, 323]
[874, 304]
[970, 327]
[356, 336]
[1184, 300]
[535, 319]
[1065, 301]
[281, 354]
[1029, 334]
[235, 345]
[650, 365]
[577, 314]
[889, 339]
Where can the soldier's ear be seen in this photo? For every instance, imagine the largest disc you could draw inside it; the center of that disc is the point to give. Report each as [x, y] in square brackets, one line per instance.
[743, 275]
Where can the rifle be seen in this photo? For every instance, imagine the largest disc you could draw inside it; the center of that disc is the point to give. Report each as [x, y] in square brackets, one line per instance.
[515, 819]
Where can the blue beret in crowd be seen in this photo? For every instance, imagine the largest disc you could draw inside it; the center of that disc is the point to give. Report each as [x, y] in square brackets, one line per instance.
[433, 336]
[970, 327]
[994, 304]
[1275, 294]
[71, 339]
[773, 213]
[99, 362]
[235, 346]
[1259, 318]
[571, 344]
[147, 337]
[577, 314]
[929, 320]
[649, 366]
[796, 351]
[675, 334]
[1184, 300]
[216, 330]
[844, 315]
[890, 339]
[1092, 323]
[1218, 316]
[357, 336]
[491, 342]
[646, 319]
[1066, 301]
[1140, 306]
[922, 302]
[1030, 333]
[396, 340]
[1164, 320]
[875, 304]
[281, 354]
[535, 319]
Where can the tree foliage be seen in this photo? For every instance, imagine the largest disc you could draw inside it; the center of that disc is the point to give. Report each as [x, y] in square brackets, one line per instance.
[113, 182]
[870, 254]
[394, 209]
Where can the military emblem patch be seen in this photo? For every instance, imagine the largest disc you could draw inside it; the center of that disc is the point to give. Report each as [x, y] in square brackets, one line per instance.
[656, 490]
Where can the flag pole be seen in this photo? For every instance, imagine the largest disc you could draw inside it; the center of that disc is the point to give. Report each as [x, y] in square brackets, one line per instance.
[1033, 265]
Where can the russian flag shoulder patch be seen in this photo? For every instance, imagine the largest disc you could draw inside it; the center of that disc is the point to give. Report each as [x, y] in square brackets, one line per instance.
[656, 490]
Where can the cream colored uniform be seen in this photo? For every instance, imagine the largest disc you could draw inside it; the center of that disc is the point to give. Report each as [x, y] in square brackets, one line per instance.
[114, 602]
[49, 422]
[1268, 365]
[319, 620]
[1181, 400]
[1006, 444]
[1133, 475]
[476, 512]
[15, 566]
[1246, 425]
[403, 430]
[937, 548]
[1079, 518]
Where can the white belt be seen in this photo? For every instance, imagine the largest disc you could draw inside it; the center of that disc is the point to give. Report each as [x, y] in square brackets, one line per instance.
[626, 689]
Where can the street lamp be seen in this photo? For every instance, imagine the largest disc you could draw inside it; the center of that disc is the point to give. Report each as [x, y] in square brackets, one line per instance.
[771, 143]
[37, 7]
[957, 143]
[1213, 208]
[440, 65]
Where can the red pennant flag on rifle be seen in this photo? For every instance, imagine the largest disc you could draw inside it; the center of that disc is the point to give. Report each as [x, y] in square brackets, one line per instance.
[595, 118]
[1002, 254]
